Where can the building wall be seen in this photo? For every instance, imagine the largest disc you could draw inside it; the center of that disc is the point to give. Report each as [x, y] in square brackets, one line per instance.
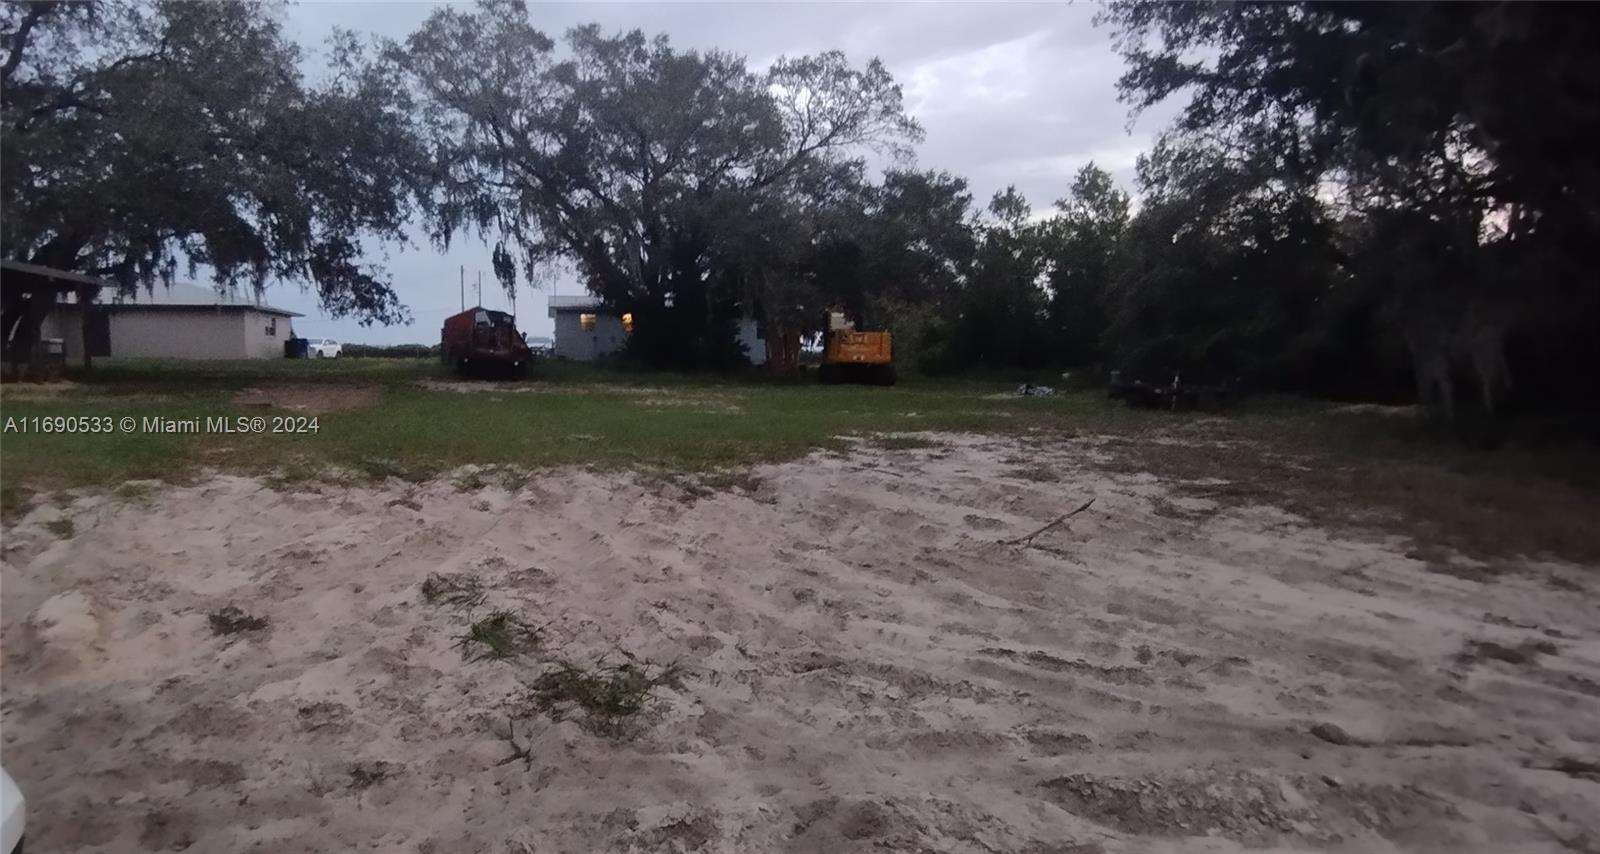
[572, 342]
[200, 333]
[755, 346]
[258, 344]
[179, 334]
[609, 337]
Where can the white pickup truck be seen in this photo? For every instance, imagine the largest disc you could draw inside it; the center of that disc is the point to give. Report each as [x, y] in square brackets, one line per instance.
[10, 815]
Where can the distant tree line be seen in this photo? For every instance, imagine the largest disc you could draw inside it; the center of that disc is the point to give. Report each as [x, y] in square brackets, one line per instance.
[1364, 200]
[390, 351]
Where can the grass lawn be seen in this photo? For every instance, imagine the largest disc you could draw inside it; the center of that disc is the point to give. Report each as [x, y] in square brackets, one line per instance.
[413, 419]
[425, 421]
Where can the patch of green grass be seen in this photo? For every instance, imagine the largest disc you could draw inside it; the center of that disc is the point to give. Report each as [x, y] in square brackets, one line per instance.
[62, 528]
[384, 468]
[499, 636]
[160, 375]
[13, 499]
[607, 697]
[571, 414]
[47, 461]
[292, 471]
[456, 589]
[231, 620]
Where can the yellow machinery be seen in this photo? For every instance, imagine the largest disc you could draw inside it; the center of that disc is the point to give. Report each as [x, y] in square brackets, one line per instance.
[851, 356]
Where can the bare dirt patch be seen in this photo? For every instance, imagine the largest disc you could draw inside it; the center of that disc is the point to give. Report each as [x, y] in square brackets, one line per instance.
[858, 661]
[311, 398]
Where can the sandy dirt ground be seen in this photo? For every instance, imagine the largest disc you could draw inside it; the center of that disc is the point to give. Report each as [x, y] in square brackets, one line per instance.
[311, 398]
[869, 667]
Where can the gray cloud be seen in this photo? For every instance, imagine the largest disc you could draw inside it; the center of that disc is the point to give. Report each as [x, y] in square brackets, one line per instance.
[1010, 94]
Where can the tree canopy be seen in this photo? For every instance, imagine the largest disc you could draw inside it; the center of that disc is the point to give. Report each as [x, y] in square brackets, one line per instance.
[625, 155]
[1358, 199]
[137, 134]
[1451, 144]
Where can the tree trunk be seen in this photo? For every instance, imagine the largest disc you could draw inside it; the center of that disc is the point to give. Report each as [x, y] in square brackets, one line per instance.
[783, 350]
[1484, 339]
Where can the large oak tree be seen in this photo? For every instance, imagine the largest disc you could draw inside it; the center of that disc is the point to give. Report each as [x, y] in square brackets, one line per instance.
[620, 154]
[138, 136]
[1461, 133]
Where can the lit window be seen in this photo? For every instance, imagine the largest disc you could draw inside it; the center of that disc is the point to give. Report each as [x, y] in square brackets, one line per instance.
[627, 322]
[586, 322]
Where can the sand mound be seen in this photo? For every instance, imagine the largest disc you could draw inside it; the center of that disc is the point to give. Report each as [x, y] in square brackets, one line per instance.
[66, 623]
[866, 667]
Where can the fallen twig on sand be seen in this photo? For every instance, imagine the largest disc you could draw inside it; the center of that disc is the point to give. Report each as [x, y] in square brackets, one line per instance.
[518, 751]
[1581, 768]
[1028, 540]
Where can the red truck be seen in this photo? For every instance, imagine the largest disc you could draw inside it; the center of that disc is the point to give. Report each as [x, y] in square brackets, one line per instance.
[479, 340]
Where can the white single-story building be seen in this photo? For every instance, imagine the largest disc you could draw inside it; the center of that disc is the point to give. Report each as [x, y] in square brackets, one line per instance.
[183, 321]
[586, 330]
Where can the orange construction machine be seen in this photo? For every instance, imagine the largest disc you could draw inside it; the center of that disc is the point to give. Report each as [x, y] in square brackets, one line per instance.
[852, 356]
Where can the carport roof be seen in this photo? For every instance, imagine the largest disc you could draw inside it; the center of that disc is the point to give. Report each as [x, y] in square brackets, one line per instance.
[25, 276]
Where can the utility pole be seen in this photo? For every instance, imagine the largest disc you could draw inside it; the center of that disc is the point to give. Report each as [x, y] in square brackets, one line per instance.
[463, 287]
[480, 287]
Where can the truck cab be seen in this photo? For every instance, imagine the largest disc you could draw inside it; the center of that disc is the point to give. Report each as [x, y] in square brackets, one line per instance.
[481, 340]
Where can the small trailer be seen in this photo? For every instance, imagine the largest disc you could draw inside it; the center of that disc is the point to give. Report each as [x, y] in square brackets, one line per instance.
[483, 341]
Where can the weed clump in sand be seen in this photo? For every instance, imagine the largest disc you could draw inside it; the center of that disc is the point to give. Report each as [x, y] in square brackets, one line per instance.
[499, 636]
[456, 589]
[903, 442]
[231, 621]
[608, 697]
[365, 775]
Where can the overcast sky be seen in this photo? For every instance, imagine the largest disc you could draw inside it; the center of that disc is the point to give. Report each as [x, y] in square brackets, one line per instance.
[1020, 94]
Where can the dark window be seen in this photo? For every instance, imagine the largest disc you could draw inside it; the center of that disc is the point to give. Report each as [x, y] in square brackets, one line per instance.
[272, 326]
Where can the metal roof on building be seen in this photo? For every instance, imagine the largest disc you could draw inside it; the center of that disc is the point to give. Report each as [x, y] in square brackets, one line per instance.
[187, 295]
[575, 303]
[176, 295]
